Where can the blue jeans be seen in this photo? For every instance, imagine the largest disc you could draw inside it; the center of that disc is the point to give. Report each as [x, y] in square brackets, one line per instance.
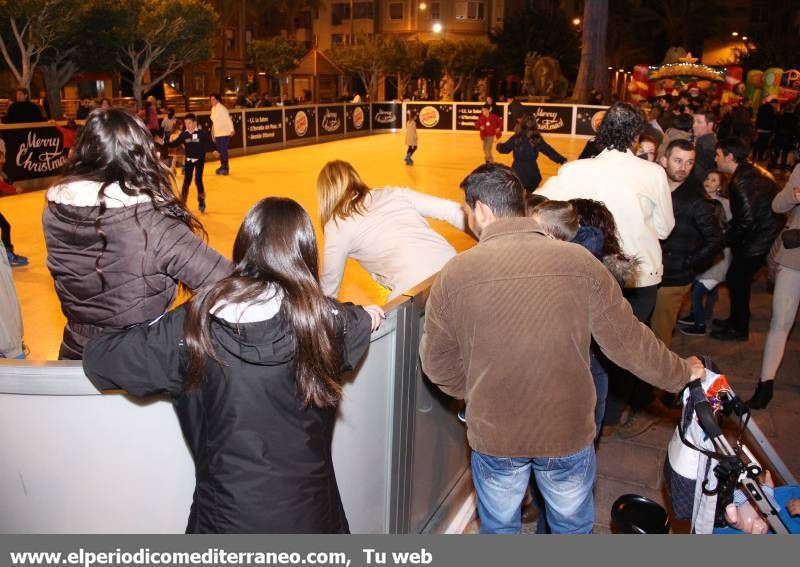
[565, 483]
[700, 312]
[222, 147]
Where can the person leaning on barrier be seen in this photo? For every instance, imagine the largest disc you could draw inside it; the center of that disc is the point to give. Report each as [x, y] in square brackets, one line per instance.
[253, 364]
[508, 326]
[383, 229]
[118, 239]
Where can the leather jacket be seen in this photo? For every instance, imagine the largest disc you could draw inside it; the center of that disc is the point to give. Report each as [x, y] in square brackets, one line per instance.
[754, 225]
[697, 237]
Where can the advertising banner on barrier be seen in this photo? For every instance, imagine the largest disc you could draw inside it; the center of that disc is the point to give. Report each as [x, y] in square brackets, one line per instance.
[263, 127]
[588, 119]
[431, 116]
[357, 118]
[331, 120]
[237, 140]
[551, 119]
[387, 115]
[32, 153]
[467, 115]
[300, 123]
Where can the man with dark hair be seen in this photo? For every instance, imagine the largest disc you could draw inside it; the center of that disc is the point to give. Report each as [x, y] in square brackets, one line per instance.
[508, 325]
[23, 110]
[694, 242]
[753, 228]
[637, 194]
[84, 108]
[705, 143]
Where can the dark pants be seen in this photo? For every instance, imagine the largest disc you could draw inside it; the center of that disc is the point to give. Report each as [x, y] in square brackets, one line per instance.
[194, 168]
[5, 233]
[411, 150]
[222, 147]
[760, 152]
[740, 280]
[624, 387]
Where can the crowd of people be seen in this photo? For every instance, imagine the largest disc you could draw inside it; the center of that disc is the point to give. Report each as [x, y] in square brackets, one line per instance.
[554, 329]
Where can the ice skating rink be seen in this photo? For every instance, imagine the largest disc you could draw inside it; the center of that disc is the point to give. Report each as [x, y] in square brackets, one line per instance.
[441, 162]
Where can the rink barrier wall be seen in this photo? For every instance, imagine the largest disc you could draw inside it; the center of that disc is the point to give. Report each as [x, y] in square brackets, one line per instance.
[35, 152]
[75, 460]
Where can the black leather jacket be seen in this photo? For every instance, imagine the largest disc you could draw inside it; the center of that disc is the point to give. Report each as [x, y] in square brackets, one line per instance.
[697, 237]
[754, 225]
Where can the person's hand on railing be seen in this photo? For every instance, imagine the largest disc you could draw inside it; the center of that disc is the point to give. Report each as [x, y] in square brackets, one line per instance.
[376, 315]
[697, 367]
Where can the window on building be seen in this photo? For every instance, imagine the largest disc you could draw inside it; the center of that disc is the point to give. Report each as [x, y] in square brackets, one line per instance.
[363, 11]
[396, 12]
[339, 13]
[338, 39]
[470, 11]
[435, 11]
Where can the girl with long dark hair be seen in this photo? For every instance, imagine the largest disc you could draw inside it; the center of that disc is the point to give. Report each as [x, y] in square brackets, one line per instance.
[253, 364]
[119, 241]
[525, 145]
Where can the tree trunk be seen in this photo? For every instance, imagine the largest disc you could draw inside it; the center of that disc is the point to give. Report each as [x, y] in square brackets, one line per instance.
[53, 85]
[592, 73]
[223, 63]
[138, 89]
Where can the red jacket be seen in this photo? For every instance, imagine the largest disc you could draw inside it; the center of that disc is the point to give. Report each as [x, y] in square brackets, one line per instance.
[489, 126]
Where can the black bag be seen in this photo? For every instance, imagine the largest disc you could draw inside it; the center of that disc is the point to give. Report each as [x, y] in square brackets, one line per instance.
[791, 238]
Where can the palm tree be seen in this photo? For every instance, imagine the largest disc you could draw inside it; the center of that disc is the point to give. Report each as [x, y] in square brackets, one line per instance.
[592, 73]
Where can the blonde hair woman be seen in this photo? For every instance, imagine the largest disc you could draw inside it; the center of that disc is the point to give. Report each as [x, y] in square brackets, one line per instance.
[384, 230]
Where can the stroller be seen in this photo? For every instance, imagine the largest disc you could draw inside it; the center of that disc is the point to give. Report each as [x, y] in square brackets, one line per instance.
[705, 473]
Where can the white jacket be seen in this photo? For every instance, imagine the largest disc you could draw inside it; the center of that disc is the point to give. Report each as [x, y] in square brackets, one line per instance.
[637, 194]
[222, 125]
[391, 240]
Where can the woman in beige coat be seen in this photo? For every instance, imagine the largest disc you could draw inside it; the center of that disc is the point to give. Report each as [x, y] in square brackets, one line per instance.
[384, 230]
[787, 289]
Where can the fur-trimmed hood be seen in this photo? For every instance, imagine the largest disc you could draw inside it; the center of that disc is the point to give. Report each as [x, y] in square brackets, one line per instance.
[623, 268]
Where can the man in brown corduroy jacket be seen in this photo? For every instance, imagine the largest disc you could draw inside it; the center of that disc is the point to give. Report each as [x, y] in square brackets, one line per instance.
[507, 328]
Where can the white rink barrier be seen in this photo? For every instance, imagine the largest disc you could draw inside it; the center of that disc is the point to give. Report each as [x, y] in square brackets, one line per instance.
[74, 460]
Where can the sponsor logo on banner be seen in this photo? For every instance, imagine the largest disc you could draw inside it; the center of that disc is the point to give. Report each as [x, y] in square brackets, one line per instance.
[358, 118]
[547, 120]
[429, 116]
[41, 153]
[301, 123]
[385, 117]
[331, 122]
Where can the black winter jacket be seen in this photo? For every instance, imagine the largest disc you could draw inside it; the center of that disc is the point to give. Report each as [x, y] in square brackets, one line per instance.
[525, 153]
[196, 144]
[263, 462]
[697, 237]
[754, 226]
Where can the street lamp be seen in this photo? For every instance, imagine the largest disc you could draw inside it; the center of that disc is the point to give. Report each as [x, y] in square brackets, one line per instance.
[437, 28]
[576, 22]
[422, 6]
[735, 34]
